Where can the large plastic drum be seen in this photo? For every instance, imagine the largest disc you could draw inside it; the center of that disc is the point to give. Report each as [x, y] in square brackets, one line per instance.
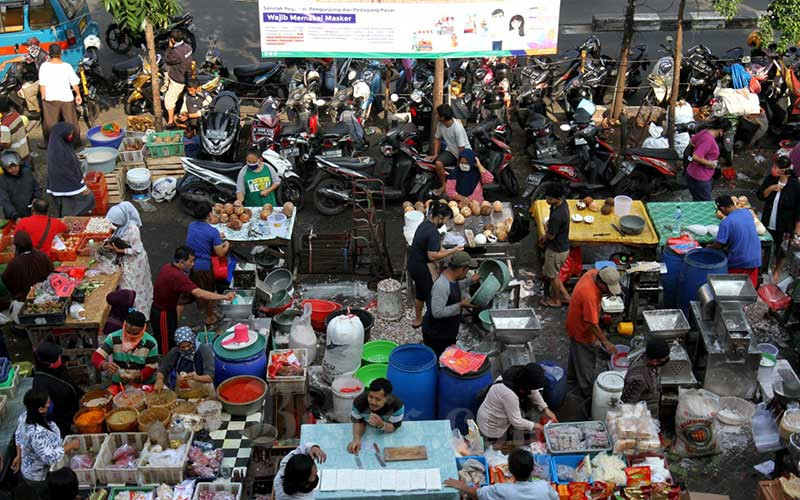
[457, 394]
[607, 391]
[412, 372]
[697, 265]
[669, 280]
[555, 389]
[251, 360]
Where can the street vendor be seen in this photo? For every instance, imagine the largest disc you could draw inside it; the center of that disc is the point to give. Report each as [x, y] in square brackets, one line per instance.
[377, 408]
[738, 233]
[555, 241]
[187, 363]
[41, 227]
[780, 192]
[129, 355]
[513, 396]
[173, 280]
[643, 379]
[520, 465]
[28, 267]
[297, 476]
[52, 376]
[583, 326]
[426, 249]
[443, 315]
[257, 182]
[466, 182]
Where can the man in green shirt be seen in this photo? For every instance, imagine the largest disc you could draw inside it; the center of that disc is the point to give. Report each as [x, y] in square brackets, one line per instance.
[129, 355]
[257, 182]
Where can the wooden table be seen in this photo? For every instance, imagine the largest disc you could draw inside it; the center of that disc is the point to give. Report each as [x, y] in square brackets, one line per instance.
[277, 242]
[79, 338]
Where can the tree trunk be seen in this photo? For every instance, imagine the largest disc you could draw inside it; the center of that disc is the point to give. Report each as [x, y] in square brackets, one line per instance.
[627, 37]
[151, 54]
[438, 91]
[676, 75]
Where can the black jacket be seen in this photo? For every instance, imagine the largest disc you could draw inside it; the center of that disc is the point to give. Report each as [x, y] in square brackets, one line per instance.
[179, 62]
[788, 205]
[64, 393]
[16, 193]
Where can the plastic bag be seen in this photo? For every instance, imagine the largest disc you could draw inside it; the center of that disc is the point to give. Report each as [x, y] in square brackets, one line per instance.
[459, 443]
[695, 423]
[495, 457]
[302, 335]
[80, 461]
[474, 438]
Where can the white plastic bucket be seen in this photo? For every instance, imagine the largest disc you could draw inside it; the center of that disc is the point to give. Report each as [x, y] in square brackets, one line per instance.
[622, 205]
[276, 220]
[138, 179]
[413, 218]
[607, 391]
[343, 401]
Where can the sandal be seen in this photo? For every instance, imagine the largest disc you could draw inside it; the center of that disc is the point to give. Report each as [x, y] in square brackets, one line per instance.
[416, 326]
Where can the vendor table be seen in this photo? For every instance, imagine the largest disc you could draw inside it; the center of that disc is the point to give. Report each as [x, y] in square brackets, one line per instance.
[434, 434]
[257, 232]
[8, 425]
[600, 231]
[79, 338]
[476, 223]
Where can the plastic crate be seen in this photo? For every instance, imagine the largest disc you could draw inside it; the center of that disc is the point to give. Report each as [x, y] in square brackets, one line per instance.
[78, 223]
[163, 149]
[102, 466]
[234, 489]
[169, 475]
[570, 460]
[90, 443]
[461, 460]
[96, 181]
[67, 255]
[3, 407]
[10, 387]
[40, 319]
[296, 384]
[5, 367]
[122, 489]
[544, 462]
[132, 156]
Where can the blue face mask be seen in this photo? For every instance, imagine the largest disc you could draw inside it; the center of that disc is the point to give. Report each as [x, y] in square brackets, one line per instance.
[252, 166]
[51, 409]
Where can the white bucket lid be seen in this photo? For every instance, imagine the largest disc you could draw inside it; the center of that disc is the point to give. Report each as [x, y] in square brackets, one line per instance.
[343, 381]
[138, 178]
[611, 381]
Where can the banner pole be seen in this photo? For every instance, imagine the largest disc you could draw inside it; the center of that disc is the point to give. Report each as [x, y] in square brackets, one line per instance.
[438, 86]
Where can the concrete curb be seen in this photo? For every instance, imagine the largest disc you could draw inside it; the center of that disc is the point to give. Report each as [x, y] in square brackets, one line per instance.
[648, 21]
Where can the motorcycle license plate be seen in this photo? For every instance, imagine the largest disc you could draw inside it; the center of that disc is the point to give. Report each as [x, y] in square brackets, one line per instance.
[290, 152]
[534, 179]
[332, 153]
[580, 141]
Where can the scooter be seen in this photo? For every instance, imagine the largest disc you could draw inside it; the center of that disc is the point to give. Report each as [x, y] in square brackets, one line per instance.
[121, 39]
[220, 126]
[488, 142]
[215, 182]
[98, 92]
[266, 126]
[254, 81]
[400, 154]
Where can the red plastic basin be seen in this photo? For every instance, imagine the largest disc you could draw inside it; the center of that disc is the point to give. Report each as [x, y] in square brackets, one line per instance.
[320, 309]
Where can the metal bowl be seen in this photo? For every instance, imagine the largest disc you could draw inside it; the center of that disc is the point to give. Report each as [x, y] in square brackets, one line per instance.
[279, 279]
[631, 224]
[242, 409]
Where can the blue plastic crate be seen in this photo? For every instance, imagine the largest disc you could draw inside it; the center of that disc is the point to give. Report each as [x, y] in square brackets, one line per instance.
[461, 460]
[5, 366]
[543, 460]
[570, 460]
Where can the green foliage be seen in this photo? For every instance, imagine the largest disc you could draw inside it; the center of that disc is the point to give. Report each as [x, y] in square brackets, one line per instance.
[781, 24]
[726, 8]
[134, 13]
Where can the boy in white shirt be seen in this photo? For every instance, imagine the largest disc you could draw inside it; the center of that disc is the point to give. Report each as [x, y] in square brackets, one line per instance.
[57, 81]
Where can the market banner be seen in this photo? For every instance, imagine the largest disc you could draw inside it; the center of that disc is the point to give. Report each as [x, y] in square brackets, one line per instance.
[420, 29]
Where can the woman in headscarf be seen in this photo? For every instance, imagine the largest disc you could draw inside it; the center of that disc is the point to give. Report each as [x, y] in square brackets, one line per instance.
[127, 243]
[64, 176]
[28, 267]
[466, 182]
[121, 302]
[187, 365]
[52, 376]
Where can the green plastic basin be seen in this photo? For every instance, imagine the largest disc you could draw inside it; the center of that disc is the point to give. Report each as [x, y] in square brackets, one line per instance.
[368, 373]
[377, 351]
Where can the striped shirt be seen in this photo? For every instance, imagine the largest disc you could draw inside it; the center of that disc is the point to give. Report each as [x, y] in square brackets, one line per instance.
[145, 354]
[391, 412]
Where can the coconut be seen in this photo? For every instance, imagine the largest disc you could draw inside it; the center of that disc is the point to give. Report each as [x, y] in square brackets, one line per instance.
[228, 208]
[486, 209]
[233, 217]
[458, 219]
[223, 218]
[452, 204]
[264, 214]
[234, 224]
[485, 203]
[466, 211]
[218, 207]
[606, 209]
[475, 207]
[588, 200]
[238, 210]
[594, 207]
[267, 208]
[502, 235]
[288, 209]
[214, 219]
[244, 218]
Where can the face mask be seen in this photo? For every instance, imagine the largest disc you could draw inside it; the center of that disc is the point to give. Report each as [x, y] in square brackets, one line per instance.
[777, 172]
[252, 166]
[57, 364]
[464, 167]
[50, 409]
[311, 486]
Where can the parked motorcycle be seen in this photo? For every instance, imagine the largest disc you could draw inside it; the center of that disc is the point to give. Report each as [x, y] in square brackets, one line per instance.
[215, 182]
[400, 154]
[488, 142]
[98, 92]
[220, 126]
[121, 39]
[255, 81]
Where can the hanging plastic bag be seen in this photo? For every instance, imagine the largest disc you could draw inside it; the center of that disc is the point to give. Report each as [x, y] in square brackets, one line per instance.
[302, 335]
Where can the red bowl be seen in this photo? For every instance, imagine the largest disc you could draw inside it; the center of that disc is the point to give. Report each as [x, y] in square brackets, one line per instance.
[320, 309]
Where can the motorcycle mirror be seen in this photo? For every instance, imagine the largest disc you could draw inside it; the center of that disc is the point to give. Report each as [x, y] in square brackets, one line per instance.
[668, 39]
[394, 97]
[565, 127]
[352, 75]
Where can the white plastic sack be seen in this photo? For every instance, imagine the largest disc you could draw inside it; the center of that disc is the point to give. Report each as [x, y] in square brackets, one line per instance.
[695, 423]
[344, 346]
[302, 336]
[656, 142]
[684, 112]
[681, 141]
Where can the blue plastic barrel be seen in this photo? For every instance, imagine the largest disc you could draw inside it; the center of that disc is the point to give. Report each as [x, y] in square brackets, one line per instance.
[457, 394]
[555, 389]
[697, 265]
[251, 360]
[669, 281]
[412, 372]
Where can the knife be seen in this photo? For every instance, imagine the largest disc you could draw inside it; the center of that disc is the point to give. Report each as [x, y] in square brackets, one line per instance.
[378, 455]
[358, 461]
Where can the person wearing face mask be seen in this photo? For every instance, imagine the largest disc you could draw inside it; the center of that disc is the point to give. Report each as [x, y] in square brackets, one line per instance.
[129, 355]
[426, 249]
[466, 182]
[780, 193]
[643, 379]
[126, 243]
[52, 376]
[31, 61]
[187, 364]
[38, 443]
[257, 182]
[64, 175]
[172, 281]
[297, 475]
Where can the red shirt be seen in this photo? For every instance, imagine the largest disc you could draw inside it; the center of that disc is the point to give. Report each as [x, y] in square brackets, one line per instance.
[171, 282]
[584, 309]
[35, 225]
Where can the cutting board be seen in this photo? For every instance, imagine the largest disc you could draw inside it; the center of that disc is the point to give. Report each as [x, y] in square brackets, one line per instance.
[404, 453]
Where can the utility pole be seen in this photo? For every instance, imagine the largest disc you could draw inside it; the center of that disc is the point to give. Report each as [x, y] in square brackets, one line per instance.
[438, 91]
[627, 37]
[676, 74]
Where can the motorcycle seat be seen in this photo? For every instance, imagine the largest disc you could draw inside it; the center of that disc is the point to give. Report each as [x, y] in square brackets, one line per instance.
[218, 166]
[359, 163]
[251, 70]
[337, 128]
[567, 160]
[204, 78]
[126, 68]
[292, 128]
[660, 153]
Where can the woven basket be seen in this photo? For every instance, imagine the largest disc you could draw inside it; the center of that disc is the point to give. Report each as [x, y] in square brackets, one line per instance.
[151, 415]
[128, 425]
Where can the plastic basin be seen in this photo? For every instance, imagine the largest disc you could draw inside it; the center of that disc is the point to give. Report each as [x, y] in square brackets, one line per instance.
[245, 407]
[320, 309]
[377, 351]
[101, 158]
[98, 138]
[496, 268]
[490, 287]
[368, 373]
[486, 320]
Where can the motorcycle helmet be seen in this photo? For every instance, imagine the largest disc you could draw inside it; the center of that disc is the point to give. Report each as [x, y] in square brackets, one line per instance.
[9, 158]
[582, 117]
[33, 47]
[311, 80]
[493, 101]
[92, 41]
[502, 72]
[479, 74]
[592, 45]
[164, 189]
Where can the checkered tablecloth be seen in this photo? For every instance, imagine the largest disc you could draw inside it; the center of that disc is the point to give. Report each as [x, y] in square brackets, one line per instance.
[693, 212]
[236, 450]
